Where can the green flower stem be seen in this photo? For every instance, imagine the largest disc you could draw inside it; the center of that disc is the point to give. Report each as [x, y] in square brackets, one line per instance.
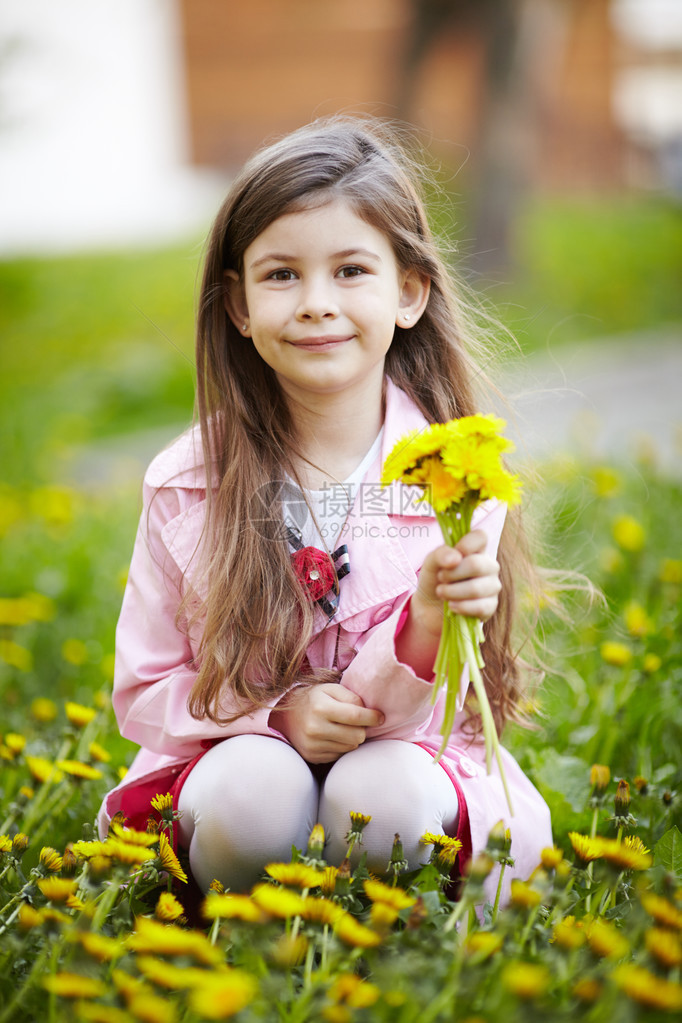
[590, 865]
[36, 972]
[498, 893]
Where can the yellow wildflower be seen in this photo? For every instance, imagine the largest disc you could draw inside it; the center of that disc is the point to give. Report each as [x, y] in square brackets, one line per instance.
[5, 843]
[600, 776]
[651, 663]
[606, 940]
[630, 854]
[568, 933]
[77, 769]
[168, 860]
[349, 989]
[525, 980]
[167, 975]
[647, 988]
[74, 651]
[352, 932]
[27, 792]
[43, 770]
[129, 986]
[587, 990]
[389, 895]
[79, 715]
[73, 985]
[382, 917]
[168, 908]
[289, 951]
[670, 571]
[163, 804]
[125, 852]
[322, 911]
[99, 753]
[29, 917]
[615, 653]
[328, 882]
[223, 995]
[637, 621]
[665, 946]
[228, 906]
[628, 533]
[19, 843]
[100, 947]
[523, 896]
[15, 655]
[607, 481]
[275, 901]
[551, 857]
[150, 1008]
[481, 945]
[217, 886]
[663, 912]
[57, 889]
[95, 1012]
[15, 742]
[166, 939]
[50, 859]
[131, 836]
[296, 875]
[585, 848]
[44, 710]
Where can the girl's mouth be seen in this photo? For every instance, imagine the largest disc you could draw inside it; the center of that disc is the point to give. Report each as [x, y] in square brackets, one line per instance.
[323, 343]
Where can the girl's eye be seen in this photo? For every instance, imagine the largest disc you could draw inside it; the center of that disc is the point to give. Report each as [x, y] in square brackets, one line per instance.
[351, 271]
[281, 275]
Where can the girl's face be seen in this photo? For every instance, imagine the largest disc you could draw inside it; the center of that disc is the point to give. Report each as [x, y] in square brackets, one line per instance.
[320, 298]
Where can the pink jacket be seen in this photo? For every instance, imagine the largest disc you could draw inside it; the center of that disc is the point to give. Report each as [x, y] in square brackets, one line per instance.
[154, 673]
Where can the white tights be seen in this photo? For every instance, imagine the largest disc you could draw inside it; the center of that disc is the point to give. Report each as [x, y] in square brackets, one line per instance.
[251, 797]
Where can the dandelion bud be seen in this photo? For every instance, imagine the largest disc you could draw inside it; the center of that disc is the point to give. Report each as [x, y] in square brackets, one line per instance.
[622, 799]
[479, 867]
[343, 878]
[641, 784]
[316, 842]
[19, 844]
[69, 861]
[667, 797]
[397, 863]
[50, 859]
[358, 823]
[600, 776]
[152, 827]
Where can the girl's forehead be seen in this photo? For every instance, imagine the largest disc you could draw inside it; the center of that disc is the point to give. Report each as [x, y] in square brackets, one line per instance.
[331, 221]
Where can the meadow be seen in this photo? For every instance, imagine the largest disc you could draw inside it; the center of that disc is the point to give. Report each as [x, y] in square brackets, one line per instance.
[97, 349]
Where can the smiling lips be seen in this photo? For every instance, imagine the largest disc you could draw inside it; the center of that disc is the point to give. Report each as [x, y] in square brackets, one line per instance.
[321, 344]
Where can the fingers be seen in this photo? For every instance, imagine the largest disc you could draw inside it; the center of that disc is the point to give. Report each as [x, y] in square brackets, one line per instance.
[322, 722]
[464, 576]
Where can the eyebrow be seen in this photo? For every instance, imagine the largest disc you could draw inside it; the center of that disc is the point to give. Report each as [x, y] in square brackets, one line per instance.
[278, 257]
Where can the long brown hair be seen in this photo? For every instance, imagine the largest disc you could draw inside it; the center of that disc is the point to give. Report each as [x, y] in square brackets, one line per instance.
[257, 622]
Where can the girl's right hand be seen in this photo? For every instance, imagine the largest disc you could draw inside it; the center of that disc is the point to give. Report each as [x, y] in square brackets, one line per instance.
[322, 722]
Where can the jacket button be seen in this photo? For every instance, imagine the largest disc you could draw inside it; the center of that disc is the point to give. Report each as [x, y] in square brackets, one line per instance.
[467, 767]
[382, 613]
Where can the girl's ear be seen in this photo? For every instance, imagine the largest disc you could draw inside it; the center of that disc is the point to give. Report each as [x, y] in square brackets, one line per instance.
[235, 302]
[414, 294]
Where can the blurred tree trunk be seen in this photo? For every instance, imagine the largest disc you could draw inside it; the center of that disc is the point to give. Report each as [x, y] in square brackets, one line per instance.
[513, 35]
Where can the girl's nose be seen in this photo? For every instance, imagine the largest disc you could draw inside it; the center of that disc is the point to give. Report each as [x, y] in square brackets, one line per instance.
[317, 302]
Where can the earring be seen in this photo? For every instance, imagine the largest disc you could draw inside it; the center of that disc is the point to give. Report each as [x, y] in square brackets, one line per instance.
[245, 327]
[406, 317]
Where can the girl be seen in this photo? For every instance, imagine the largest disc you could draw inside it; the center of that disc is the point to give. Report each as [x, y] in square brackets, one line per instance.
[282, 615]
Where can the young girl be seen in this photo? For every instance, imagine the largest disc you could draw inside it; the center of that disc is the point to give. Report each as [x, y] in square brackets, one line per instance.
[279, 628]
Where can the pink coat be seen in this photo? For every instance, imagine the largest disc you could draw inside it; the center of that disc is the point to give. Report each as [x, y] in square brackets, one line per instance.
[154, 660]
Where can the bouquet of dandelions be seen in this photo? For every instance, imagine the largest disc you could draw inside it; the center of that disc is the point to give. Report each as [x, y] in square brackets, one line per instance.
[458, 465]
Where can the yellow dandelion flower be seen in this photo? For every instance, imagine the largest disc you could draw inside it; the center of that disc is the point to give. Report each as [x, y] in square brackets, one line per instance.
[637, 621]
[44, 710]
[289, 951]
[665, 946]
[382, 917]
[670, 571]
[131, 836]
[352, 932]
[275, 901]
[337, 1014]
[359, 821]
[166, 939]
[628, 533]
[295, 875]
[651, 664]
[525, 980]
[163, 804]
[663, 912]
[600, 776]
[168, 860]
[74, 651]
[316, 841]
[85, 850]
[228, 906]
[99, 753]
[5, 844]
[15, 742]
[15, 655]
[77, 769]
[74, 985]
[27, 792]
[615, 653]
[482, 945]
[224, 995]
[217, 886]
[607, 481]
[390, 896]
[13, 611]
[322, 911]
[568, 933]
[328, 882]
[551, 857]
[29, 917]
[168, 908]
[523, 896]
[606, 940]
[631, 854]
[647, 988]
[57, 889]
[150, 1008]
[129, 986]
[587, 990]
[165, 974]
[79, 715]
[50, 859]
[95, 1012]
[100, 947]
[19, 843]
[125, 852]
[403, 461]
[43, 770]
[351, 990]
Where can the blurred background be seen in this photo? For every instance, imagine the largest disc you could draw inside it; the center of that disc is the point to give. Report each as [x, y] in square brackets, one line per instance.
[554, 126]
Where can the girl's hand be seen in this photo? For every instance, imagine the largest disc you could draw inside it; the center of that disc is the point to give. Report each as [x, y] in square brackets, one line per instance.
[322, 722]
[464, 576]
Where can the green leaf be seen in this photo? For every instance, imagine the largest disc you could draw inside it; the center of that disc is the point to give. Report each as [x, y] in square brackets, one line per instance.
[569, 776]
[668, 852]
